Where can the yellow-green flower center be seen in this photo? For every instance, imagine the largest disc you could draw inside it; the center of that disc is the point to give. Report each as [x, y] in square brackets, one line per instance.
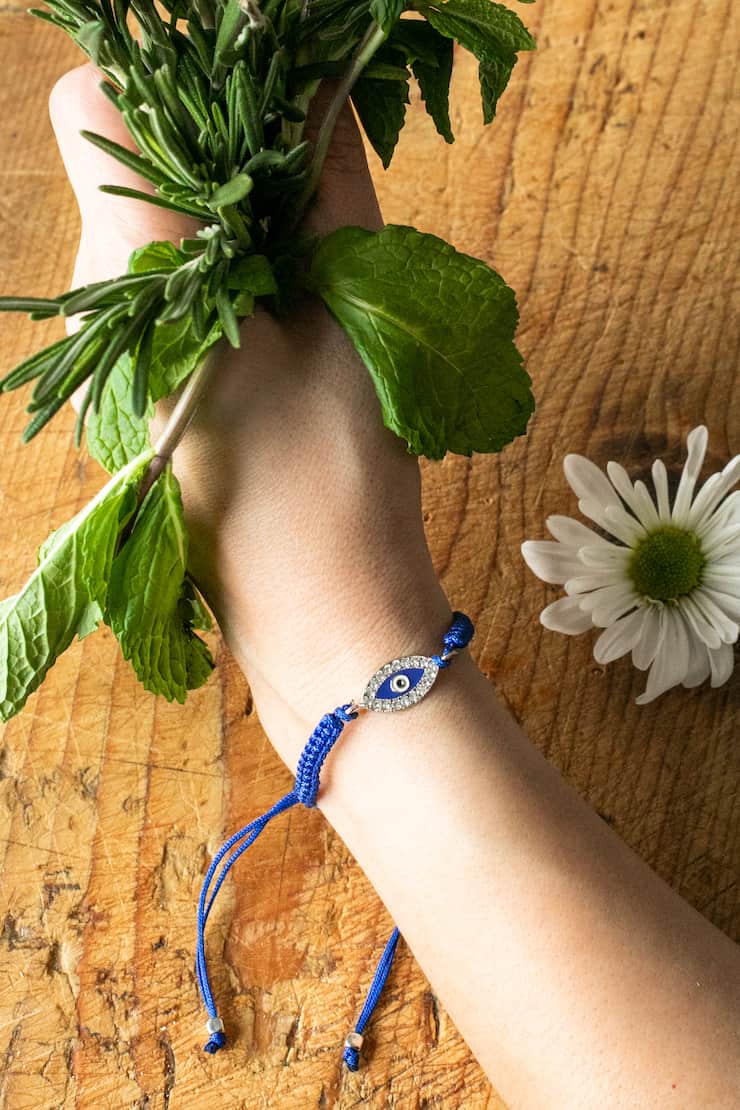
[666, 564]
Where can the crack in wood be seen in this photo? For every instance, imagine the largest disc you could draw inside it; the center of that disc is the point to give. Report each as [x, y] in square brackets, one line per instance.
[169, 1068]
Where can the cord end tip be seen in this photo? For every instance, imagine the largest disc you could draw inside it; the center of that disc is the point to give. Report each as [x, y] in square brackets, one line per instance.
[351, 1058]
[351, 1054]
[217, 1041]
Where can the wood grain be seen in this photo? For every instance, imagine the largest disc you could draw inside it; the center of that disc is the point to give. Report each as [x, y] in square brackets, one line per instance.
[604, 194]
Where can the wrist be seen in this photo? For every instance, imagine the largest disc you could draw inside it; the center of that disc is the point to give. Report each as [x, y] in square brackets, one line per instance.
[304, 514]
[304, 656]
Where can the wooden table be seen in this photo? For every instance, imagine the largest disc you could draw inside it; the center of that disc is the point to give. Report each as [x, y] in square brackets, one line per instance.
[605, 194]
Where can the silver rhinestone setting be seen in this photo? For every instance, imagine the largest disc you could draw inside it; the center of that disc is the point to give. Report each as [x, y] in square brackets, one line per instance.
[411, 697]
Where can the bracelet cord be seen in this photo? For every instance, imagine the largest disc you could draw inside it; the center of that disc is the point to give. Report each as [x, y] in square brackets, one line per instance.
[305, 791]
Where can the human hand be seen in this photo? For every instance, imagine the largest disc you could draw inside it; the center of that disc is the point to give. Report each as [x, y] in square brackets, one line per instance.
[303, 510]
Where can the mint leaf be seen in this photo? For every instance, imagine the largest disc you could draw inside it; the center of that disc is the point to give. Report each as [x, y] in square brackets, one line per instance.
[435, 329]
[429, 54]
[65, 595]
[253, 274]
[160, 255]
[485, 29]
[492, 33]
[152, 607]
[193, 608]
[113, 434]
[176, 352]
[381, 104]
[494, 77]
[386, 12]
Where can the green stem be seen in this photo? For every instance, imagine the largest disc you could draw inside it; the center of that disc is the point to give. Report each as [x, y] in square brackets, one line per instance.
[374, 38]
[180, 418]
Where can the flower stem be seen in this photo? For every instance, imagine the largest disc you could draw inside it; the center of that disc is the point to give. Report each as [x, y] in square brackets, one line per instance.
[180, 418]
[374, 38]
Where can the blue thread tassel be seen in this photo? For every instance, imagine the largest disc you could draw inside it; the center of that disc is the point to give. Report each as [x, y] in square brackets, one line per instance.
[305, 790]
[351, 1054]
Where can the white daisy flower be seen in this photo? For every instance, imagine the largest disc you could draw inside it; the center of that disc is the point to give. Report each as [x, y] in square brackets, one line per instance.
[667, 588]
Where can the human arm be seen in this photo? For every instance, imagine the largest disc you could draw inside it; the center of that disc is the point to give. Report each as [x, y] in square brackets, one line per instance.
[493, 868]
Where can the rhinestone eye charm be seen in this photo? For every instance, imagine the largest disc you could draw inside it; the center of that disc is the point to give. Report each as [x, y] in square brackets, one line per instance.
[400, 683]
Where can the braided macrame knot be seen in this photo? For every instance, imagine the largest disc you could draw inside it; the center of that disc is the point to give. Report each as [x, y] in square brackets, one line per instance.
[320, 743]
[459, 634]
[457, 637]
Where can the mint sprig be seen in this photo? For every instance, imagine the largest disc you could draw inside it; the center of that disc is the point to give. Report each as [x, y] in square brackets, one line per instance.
[150, 602]
[66, 594]
[446, 380]
[215, 95]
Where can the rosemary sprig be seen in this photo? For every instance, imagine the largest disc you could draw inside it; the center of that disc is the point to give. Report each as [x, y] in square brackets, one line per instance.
[209, 112]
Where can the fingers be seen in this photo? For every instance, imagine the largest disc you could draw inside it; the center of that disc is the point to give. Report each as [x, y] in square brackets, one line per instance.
[112, 227]
[76, 104]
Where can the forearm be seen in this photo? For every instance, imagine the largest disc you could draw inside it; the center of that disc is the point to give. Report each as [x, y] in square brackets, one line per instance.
[577, 976]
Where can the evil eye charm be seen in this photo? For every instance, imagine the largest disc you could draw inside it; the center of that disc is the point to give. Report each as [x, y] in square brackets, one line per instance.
[400, 683]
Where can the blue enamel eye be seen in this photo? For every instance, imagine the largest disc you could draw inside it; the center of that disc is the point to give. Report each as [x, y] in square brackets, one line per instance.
[400, 683]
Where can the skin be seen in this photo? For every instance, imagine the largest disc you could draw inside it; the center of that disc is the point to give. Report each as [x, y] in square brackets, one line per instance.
[577, 976]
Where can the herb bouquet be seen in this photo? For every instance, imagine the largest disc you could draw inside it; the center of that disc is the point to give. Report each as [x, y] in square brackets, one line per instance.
[215, 94]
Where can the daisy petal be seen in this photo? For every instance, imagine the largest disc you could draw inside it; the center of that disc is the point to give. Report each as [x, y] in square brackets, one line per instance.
[727, 629]
[696, 442]
[725, 515]
[637, 500]
[698, 669]
[703, 630]
[726, 564]
[729, 603]
[712, 492]
[724, 541]
[587, 481]
[613, 604]
[722, 662]
[573, 533]
[564, 615]
[671, 663]
[644, 650]
[646, 510]
[609, 603]
[723, 575]
[621, 637]
[660, 481]
[582, 583]
[699, 513]
[615, 519]
[552, 562]
[622, 525]
[608, 557]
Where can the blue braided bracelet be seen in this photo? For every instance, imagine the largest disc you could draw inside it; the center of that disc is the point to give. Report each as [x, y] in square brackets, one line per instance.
[397, 685]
